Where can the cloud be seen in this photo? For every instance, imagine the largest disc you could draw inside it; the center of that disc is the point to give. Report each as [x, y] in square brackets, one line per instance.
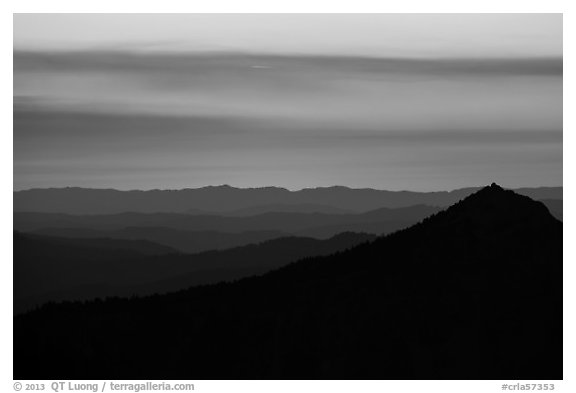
[244, 63]
[340, 120]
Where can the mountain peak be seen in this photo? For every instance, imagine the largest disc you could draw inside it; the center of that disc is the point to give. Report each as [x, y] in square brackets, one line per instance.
[494, 204]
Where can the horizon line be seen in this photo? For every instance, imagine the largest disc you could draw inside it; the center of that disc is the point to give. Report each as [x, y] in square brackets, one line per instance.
[269, 187]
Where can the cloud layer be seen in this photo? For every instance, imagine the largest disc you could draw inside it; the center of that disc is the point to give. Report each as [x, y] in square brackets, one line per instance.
[125, 120]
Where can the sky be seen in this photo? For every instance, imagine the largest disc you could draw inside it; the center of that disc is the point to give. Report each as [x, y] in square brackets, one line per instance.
[387, 101]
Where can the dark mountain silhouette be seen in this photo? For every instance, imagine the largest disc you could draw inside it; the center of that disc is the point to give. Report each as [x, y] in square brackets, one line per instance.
[123, 247]
[226, 198]
[312, 224]
[51, 268]
[473, 292]
[555, 206]
[182, 240]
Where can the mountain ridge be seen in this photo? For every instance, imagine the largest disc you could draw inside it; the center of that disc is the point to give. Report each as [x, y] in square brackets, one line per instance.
[378, 221]
[444, 299]
[226, 198]
[48, 268]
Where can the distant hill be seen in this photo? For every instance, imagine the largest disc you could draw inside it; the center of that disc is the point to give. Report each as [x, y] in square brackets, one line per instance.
[226, 199]
[318, 225]
[51, 268]
[285, 208]
[555, 206]
[182, 240]
[473, 292]
[119, 247]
